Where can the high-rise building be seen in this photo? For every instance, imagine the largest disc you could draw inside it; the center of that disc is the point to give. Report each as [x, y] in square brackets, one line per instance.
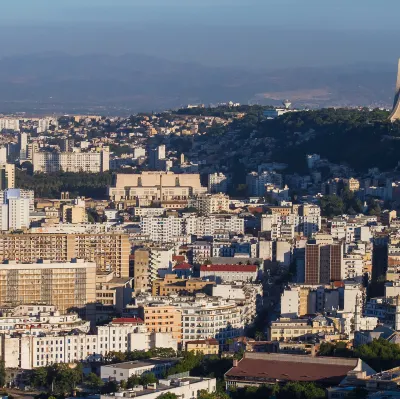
[18, 210]
[110, 252]
[7, 176]
[66, 145]
[23, 145]
[31, 149]
[142, 270]
[323, 263]
[395, 115]
[3, 155]
[9, 124]
[65, 285]
[43, 125]
[217, 183]
[157, 158]
[74, 213]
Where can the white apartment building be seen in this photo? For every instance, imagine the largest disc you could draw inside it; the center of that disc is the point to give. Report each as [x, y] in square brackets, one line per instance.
[217, 183]
[248, 296]
[15, 209]
[303, 225]
[211, 318]
[160, 258]
[160, 229]
[188, 388]
[353, 265]
[139, 152]
[207, 204]
[39, 319]
[144, 211]
[28, 351]
[18, 213]
[122, 371]
[172, 229]
[9, 124]
[18, 192]
[93, 162]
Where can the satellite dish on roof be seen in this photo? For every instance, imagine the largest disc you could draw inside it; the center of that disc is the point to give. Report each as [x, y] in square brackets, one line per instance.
[286, 104]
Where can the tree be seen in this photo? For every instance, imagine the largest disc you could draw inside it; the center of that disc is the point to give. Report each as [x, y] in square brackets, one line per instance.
[203, 394]
[2, 373]
[302, 390]
[331, 205]
[167, 395]
[148, 378]
[109, 387]
[39, 378]
[132, 381]
[94, 382]
[380, 354]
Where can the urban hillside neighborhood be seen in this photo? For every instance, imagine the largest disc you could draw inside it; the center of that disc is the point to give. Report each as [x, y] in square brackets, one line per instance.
[210, 252]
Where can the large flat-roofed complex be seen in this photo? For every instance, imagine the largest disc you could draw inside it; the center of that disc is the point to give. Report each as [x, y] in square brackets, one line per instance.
[110, 252]
[64, 285]
[155, 186]
[50, 162]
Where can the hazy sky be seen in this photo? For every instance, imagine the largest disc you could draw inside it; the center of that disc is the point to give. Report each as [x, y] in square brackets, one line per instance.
[245, 33]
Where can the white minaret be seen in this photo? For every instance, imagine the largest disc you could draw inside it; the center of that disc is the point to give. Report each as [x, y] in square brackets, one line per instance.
[358, 313]
[397, 315]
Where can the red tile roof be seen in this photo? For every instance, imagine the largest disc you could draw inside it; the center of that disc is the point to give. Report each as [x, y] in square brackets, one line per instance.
[178, 258]
[127, 320]
[338, 284]
[271, 368]
[210, 341]
[183, 266]
[228, 268]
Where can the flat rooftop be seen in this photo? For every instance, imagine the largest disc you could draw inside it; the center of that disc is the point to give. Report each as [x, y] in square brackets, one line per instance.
[160, 387]
[141, 363]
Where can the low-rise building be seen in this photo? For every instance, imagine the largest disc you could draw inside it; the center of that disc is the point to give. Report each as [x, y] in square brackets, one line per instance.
[256, 369]
[172, 284]
[188, 387]
[229, 273]
[122, 371]
[289, 329]
[203, 346]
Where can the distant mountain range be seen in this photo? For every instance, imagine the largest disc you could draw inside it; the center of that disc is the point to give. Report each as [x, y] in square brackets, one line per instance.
[61, 83]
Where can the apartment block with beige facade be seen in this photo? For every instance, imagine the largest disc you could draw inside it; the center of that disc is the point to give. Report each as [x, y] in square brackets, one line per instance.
[203, 346]
[208, 204]
[172, 284]
[142, 270]
[290, 329]
[163, 318]
[162, 186]
[109, 251]
[64, 285]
